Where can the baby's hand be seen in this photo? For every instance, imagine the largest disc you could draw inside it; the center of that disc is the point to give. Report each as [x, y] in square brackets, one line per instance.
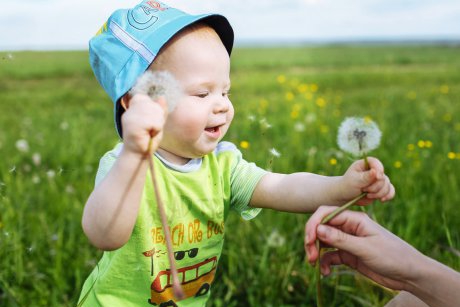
[373, 181]
[142, 120]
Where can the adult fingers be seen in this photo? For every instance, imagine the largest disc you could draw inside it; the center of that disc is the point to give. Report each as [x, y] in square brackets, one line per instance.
[310, 231]
[342, 240]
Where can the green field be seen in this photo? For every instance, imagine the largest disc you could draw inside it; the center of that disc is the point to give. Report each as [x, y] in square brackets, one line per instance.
[56, 122]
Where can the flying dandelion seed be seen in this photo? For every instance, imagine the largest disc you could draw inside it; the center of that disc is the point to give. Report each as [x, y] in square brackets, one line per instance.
[275, 153]
[158, 84]
[358, 136]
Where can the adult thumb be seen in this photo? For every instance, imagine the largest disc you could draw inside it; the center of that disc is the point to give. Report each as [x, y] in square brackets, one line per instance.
[339, 239]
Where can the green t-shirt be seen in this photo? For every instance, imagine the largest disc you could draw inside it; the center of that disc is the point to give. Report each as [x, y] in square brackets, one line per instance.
[197, 197]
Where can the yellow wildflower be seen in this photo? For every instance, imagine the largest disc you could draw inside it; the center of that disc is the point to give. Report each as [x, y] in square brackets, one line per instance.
[447, 117]
[421, 143]
[302, 88]
[281, 79]
[244, 144]
[444, 89]
[289, 96]
[397, 164]
[321, 102]
[428, 144]
[313, 87]
[451, 155]
[410, 147]
[333, 161]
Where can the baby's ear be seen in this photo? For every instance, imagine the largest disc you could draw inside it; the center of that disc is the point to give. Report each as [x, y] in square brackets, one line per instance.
[124, 101]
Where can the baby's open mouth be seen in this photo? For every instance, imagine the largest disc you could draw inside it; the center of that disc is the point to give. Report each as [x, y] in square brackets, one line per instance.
[212, 129]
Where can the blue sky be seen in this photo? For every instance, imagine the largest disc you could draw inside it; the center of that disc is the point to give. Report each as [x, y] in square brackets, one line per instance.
[66, 24]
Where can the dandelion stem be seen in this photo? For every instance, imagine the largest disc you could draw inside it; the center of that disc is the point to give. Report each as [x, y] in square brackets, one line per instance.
[319, 296]
[327, 218]
[342, 208]
[177, 289]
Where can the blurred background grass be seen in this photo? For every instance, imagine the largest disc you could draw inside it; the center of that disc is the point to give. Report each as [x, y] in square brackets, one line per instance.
[56, 122]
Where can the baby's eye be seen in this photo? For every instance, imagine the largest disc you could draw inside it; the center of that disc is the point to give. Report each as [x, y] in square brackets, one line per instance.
[202, 95]
[226, 94]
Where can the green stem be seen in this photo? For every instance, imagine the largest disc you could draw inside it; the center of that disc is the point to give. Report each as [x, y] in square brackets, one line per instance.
[330, 216]
[319, 297]
[340, 209]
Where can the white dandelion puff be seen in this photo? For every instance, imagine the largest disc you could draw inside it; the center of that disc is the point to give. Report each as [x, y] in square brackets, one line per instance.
[158, 84]
[276, 239]
[358, 136]
[22, 145]
[275, 153]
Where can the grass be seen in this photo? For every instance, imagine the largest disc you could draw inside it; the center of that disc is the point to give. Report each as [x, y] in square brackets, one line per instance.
[290, 99]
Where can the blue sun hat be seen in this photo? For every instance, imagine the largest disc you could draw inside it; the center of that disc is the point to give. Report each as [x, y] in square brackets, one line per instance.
[130, 40]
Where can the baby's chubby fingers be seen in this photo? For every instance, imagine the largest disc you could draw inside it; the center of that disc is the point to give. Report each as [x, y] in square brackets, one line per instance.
[142, 120]
[381, 189]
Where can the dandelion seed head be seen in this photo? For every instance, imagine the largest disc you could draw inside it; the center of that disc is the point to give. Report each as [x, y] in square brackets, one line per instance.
[158, 84]
[358, 136]
[22, 145]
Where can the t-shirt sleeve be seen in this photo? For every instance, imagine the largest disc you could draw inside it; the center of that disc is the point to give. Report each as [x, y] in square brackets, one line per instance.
[106, 163]
[243, 181]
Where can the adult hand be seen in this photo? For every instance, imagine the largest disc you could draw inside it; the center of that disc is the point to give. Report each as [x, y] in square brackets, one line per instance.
[362, 245]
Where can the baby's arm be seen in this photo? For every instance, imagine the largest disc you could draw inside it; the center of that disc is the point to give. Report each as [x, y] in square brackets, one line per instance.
[305, 192]
[111, 210]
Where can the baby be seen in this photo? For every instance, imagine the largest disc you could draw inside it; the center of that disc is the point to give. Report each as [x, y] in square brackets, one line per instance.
[200, 178]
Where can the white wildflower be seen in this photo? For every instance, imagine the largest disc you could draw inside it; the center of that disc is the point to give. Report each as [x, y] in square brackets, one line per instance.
[64, 125]
[51, 174]
[299, 127]
[358, 136]
[36, 179]
[158, 84]
[36, 159]
[69, 189]
[310, 118]
[251, 118]
[275, 239]
[22, 145]
[275, 153]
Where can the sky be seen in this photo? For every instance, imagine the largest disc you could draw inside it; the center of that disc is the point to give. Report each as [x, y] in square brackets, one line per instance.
[66, 24]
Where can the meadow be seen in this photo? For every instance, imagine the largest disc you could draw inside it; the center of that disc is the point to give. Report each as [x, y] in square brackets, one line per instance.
[56, 122]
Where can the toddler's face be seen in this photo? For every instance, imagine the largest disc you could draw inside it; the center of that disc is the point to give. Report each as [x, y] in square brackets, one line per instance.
[201, 64]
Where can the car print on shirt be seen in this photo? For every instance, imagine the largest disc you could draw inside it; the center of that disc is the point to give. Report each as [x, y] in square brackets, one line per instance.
[195, 280]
